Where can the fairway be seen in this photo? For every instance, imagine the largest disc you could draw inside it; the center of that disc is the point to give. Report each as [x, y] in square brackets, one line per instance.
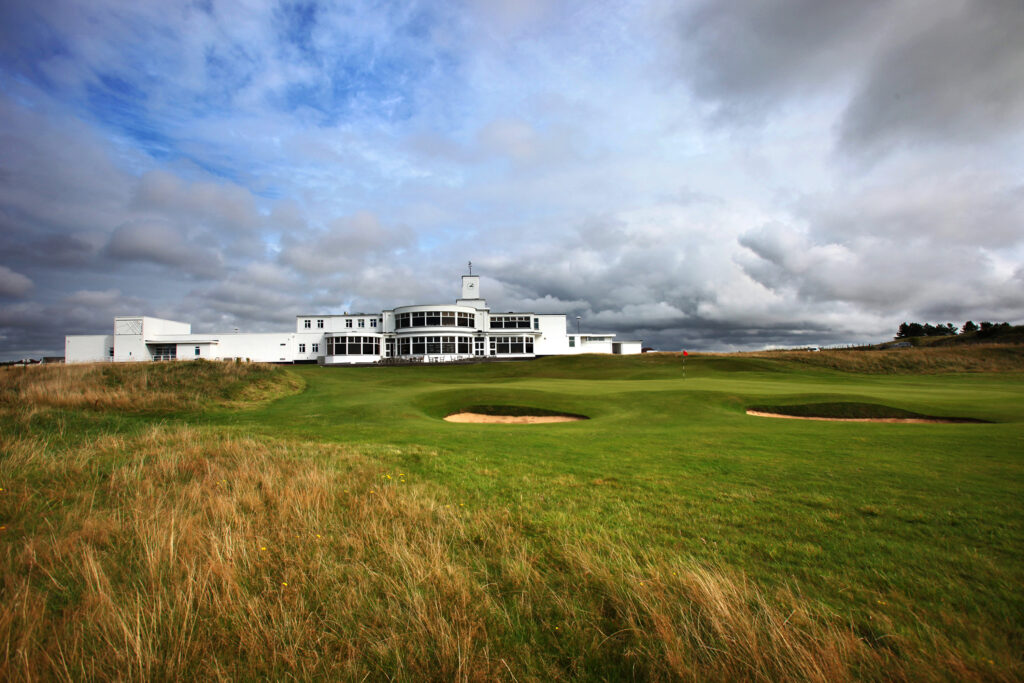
[898, 546]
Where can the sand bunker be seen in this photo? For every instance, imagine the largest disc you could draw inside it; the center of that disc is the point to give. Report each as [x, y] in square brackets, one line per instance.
[479, 418]
[916, 420]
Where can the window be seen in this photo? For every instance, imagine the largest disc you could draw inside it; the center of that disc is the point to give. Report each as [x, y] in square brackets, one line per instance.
[316, 348]
[373, 322]
[536, 323]
[302, 348]
[510, 322]
[511, 345]
[433, 319]
[197, 350]
[348, 322]
[307, 324]
[320, 324]
[572, 342]
[110, 351]
[353, 346]
[362, 322]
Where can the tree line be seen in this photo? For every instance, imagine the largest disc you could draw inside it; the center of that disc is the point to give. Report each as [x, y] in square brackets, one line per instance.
[947, 330]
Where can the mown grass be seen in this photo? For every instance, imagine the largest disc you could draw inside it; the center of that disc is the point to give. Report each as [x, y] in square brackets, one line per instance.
[668, 537]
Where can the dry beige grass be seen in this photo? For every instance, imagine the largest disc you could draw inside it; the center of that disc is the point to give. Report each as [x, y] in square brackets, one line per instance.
[183, 553]
[924, 360]
[139, 387]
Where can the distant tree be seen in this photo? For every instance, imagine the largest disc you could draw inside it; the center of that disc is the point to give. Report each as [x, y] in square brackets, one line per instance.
[986, 326]
[910, 330]
[969, 326]
[950, 329]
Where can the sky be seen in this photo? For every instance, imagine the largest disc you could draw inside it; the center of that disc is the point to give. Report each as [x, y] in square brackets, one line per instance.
[697, 174]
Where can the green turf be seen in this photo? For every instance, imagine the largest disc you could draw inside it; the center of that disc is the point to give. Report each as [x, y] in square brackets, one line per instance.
[923, 522]
[925, 517]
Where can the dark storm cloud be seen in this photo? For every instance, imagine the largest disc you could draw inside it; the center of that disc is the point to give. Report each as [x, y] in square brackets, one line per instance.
[746, 56]
[957, 76]
[161, 243]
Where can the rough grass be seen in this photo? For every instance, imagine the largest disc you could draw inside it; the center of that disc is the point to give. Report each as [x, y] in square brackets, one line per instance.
[184, 553]
[142, 387]
[917, 360]
[704, 548]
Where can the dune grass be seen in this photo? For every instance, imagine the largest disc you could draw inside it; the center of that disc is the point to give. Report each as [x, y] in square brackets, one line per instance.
[143, 387]
[349, 532]
[917, 360]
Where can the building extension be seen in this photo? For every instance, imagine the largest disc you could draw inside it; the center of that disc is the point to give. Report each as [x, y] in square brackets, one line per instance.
[437, 333]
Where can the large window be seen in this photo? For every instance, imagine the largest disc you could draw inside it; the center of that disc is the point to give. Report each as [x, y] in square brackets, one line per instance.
[440, 344]
[320, 324]
[433, 319]
[348, 322]
[510, 322]
[165, 352]
[500, 345]
[353, 346]
[306, 323]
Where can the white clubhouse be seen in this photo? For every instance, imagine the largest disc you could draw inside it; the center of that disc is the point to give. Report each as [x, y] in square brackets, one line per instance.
[436, 333]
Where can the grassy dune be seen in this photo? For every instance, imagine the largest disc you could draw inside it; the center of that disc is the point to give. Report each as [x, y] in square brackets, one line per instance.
[348, 532]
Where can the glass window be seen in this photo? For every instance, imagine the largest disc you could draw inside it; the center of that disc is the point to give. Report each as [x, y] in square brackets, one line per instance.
[536, 323]
[572, 342]
[316, 348]
[348, 322]
[433, 318]
[302, 348]
[448, 318]
[320, 324]
[307, 324]
[418, 319]
[419, 346]
[197, 350]
[362, 322]
[373, 322]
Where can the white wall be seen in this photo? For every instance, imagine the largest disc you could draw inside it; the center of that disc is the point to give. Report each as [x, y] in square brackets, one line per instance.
[128, 344]
[553, 339]
[87, 348]
[274, 347]
[630, 347]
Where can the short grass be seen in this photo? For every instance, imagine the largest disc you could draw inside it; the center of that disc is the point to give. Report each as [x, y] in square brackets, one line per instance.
[670, 536]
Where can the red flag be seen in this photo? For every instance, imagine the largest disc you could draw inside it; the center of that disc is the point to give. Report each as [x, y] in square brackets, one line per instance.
[685, 353]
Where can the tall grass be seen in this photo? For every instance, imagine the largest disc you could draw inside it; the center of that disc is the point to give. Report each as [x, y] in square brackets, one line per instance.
[142, 387]
[917, 360]
[188, 553]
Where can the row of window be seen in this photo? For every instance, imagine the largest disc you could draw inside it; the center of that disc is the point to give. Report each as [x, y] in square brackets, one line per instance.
[419, 346]
[353, 346]
[511, 345]
[302, 348]
[434, 319]
[308, 324]
[511, 322]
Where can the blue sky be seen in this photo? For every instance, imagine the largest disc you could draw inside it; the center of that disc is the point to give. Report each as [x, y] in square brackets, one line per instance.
[698, 174]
